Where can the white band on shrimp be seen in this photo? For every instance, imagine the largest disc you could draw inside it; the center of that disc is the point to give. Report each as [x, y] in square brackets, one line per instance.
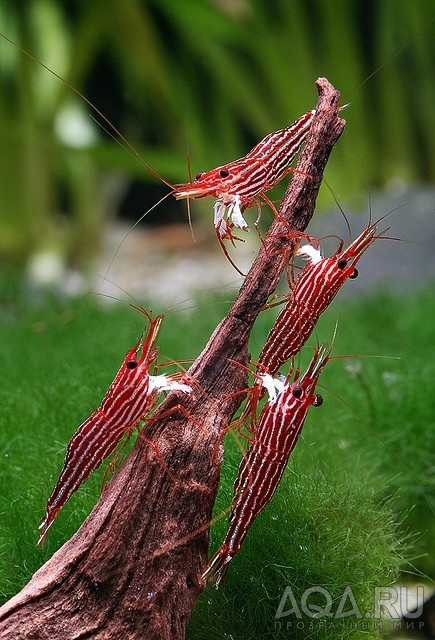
[164, 383]
[309, 253]
[273, 386]
[233, 214]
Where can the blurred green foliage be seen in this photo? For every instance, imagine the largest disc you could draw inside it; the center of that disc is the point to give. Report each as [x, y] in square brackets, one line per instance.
[201, 80]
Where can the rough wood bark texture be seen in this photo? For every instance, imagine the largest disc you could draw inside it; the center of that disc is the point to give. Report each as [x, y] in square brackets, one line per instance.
[133, 569]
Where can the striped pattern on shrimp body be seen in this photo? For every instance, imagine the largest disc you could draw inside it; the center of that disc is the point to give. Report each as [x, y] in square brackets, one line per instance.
[98, 436]
[237, 184]
[129, 399]
[313, 291]
[275, 436]
[270, 159]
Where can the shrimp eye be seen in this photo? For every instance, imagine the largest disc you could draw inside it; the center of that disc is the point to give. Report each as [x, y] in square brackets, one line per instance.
[297, 392]
[354, 274]
[199, 175]
[342, 264]
[318, 401]
[224, 173]
[131, 364]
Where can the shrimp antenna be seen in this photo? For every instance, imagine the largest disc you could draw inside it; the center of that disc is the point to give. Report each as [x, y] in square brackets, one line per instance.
[112, 127]
[337, 202]
[133, 150]
[391, 58]
[189, 173]
[138, 221]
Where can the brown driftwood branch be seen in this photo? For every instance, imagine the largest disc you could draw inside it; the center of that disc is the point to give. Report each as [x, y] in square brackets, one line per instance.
[133, 569]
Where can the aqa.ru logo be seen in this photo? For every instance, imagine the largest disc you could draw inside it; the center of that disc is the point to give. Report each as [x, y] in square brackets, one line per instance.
[388, 602]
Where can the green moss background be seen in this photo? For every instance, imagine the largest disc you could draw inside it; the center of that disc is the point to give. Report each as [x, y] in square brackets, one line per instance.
[354, 508]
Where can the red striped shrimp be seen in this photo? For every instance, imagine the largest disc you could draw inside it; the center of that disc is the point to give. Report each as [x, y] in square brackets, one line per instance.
[129, 398]
[239, 184]
[312, 292]
[279, 426]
